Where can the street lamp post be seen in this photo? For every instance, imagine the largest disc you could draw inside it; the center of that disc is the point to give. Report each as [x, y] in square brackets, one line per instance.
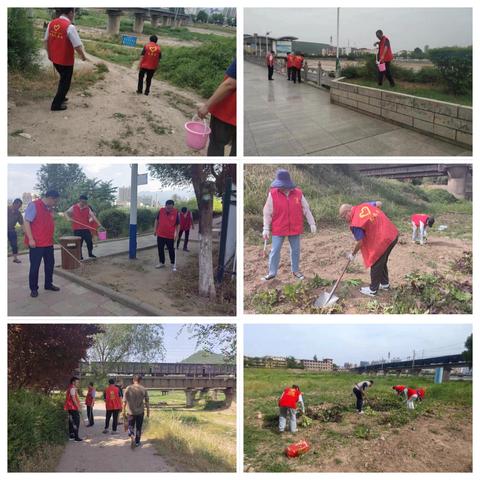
[337, 63]
[132, 245]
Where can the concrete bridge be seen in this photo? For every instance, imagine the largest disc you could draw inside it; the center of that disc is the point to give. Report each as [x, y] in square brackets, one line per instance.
[459, 176]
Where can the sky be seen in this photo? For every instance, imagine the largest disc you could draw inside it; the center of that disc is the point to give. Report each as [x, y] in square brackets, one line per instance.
[22, 178]
[353, 343]
[407, 28]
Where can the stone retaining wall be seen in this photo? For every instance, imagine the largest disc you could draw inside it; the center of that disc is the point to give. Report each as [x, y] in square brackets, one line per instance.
[448, 121]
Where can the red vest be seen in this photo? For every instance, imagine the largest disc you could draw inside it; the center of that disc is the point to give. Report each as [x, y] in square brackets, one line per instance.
[166, 223]
[82, 216]
[411, 392]
[152, 56]
[185, 221]
[43, 226]
[290, 58]
[399, 388]
[226, 110]
[419, 217]
[298, 61]
[287, 218]
[112, 398]
[69, 401]
[270, 60]
[60, 49]
[89, 397]
[381, 48]
[289, 398]
[380, 232]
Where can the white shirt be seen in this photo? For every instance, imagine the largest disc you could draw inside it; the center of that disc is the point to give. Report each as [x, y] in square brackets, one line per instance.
[71, 32]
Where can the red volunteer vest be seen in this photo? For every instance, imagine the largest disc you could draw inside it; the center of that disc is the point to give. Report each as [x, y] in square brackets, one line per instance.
[60, 48]
[89, 397]
[112, 398]
[381, 48]
[298, 61]
[290, 58]
[43, 226]
[399, 388]
[69, 401]
[226, 110]
[380, 232]
[166, 223]
[270, 60]
[185, 221]
[419, 217]
[152, 56]
[80, 217]
[287, 218]
[289, 398]
[411, 392]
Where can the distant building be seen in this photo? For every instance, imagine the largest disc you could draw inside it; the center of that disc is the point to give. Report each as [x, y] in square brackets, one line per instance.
[318, 365]
[364, 363]
[266, 362]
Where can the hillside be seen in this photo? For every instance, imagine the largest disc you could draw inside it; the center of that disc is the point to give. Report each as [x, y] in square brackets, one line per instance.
[205, 357]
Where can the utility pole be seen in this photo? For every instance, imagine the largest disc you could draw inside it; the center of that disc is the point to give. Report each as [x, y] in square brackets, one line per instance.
[132, 245]
[337, 63]
[413, 360]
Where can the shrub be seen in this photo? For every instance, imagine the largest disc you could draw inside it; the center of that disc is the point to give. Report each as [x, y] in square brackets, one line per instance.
[115, 221]
[455, 66]
[427, 75]
[145, 219]
[22, 46]
[351, 72]
[440, 196]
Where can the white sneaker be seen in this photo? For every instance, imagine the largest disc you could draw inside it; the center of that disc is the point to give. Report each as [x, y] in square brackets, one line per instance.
[361, 413]
[367, 291]
[384, 287]
[160, 265]
[174, 268]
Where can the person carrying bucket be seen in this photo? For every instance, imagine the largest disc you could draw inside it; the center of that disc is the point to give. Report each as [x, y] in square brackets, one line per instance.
[166, 229]
[39, 228]
[222, 106]
[384, 58]
[420, 223]
[283, 218]
[414, 395]
[150, 56]
[287, 403]
[84, 223]
[375, 237]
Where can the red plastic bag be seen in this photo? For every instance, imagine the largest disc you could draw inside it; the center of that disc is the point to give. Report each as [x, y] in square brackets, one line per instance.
[297, 449]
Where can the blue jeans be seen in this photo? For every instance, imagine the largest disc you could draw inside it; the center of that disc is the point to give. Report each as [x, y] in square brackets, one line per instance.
[282, 420]
[274, 259]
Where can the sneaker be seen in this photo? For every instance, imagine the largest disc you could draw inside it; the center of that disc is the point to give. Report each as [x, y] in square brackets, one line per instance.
[16, 260]
[384, 287]
[105, 431]
[72, 439]
[52, 288]
[186, 250]
[160, 265]
[92, 256]
[361, 413]
[298, 275]
[367, 291]
[268, 277]
[132, 442]
[78, 439]
[139, 92]
[137, 444]
[174, 268]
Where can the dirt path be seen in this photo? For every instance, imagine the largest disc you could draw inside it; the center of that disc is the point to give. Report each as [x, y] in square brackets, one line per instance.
[109, 119]
[109, 453]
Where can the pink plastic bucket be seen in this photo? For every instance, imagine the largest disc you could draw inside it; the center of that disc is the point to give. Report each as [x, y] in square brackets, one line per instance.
[102, 235]
[197, 134]
[381, 67]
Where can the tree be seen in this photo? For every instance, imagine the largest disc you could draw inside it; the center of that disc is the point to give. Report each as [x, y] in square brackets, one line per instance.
[292, 363]
[22, 46]
[126, 342]
[417, 53]
[468, 353]
[217, 18]
[44, 356]
[217, 336]
[202, 16]
[208, 180]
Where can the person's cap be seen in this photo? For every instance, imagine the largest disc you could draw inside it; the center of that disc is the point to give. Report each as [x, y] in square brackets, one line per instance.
[52, 194]
[282, 180]
[83, 197]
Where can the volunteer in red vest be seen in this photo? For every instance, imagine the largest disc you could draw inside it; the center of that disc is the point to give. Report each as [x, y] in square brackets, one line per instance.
[84, 223]
[73, 407]
[165, 229]
[400, 390]
[90, 403]
[290, 57]
[113, 406]
[283, 218]
[288, 402]
[151, 55]
[39, 227]
[297, 68]
[61, 42]
[186, 223]
[270, 61]
[222, 106]
[420, 223]
[384, 56]
[375, 237]
[414, 395]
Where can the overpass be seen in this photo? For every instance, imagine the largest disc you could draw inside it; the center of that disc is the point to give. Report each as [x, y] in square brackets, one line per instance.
[459, 175]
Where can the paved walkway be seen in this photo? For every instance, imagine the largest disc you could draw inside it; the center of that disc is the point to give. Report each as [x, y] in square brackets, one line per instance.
[286, 119]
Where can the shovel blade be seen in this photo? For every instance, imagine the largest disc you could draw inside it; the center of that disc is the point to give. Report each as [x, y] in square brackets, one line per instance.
[323, 301]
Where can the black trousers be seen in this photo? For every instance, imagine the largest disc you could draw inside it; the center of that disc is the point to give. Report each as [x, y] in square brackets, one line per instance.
[86, 236]
[222, 134]
[379, 270]
[91, 420]
[289, 73]
[185, 242]
[270, 72]
[299, 74]
[141, 73]
[161, 244]
[114, 415]
[73, 423]
[359, 396]
[387, 73]
[135, 423]
[66, 73]
[12, 239]
[36, 255]
[294, 75]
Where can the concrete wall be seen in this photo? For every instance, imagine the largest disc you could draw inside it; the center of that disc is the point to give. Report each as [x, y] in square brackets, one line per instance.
[449, 121]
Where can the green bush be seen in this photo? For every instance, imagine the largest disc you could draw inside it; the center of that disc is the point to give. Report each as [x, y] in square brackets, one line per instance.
[455, 66]
[427, 75]
[115, 221]
[22, 46]
[145, 219]
[35, 421]
[441, 196]
[351, 72]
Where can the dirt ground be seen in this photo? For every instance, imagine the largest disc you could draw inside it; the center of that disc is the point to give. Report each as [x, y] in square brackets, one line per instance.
[110, 118]
[324, 254]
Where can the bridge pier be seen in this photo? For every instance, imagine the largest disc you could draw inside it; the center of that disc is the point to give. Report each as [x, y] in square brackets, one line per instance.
[139, 22]
[154, 20]
[229, 396]
[446, 374]
[190, 394]
[458, 177]
[113, 23]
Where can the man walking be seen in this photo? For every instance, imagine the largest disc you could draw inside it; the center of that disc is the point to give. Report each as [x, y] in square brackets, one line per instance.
[290, 63]
[151, 55]
[270, 60]
[73, 407]
[420, 223]
[375, 237]
[360, 392]
[287, 403]
[297, 64]
[84, 222]
[283, 217]
[166, 230]
[61, 41]
[135, 401]
[14, 217]
[384, 58]
[39, 227]
[113, 406]
[186, 223]
[90, 403]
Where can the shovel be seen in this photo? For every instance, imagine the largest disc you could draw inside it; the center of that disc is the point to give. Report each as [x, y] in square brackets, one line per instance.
[328, 299]
[264, 253]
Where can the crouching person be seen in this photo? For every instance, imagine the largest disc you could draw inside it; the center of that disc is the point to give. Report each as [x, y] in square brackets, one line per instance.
[420, 223]
[414, 395]
[291, 396]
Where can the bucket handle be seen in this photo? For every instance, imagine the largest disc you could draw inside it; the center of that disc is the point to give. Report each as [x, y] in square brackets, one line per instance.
[197, 118]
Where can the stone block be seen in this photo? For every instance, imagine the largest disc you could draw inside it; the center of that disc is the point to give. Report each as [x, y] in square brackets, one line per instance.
[448, 109]
[465, 113]
[389, 105]
[348, 101]
[446, 132]
[398, 98]
[465, 138]
[342, 93]
[404, 109]
[397, 117]
[357, 97]
[455, 123]
[370, 92]
[376, 102]
[422, 125]
[365, 107]
[424, 104]
[424, 115]
[348, 87]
